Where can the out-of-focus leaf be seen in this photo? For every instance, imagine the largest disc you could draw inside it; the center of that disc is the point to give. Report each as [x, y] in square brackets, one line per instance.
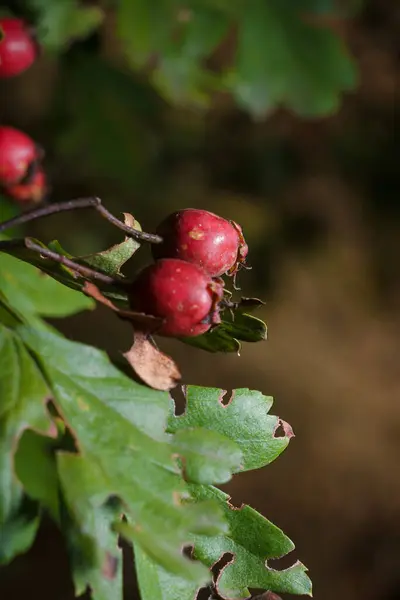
[59, 22]
[156, 583]
[252, 540]
[61, 274]
[8, 210]
[23, 394]
[18, 531]
[245, 419]
[35, 467]
[32, 292]
[145, 28]
[180, 75]
[283, 61]
[93, 546]
[208, 457]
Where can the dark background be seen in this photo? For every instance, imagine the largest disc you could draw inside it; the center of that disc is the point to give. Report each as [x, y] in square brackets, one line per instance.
[319, 204]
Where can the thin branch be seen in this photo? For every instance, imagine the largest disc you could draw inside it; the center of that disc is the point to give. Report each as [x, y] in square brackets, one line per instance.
[80, 203]
[82, 270]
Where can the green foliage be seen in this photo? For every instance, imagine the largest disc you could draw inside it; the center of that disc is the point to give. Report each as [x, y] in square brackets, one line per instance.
[59, 22]
[85, 443]
[280, 57]
[283, 61]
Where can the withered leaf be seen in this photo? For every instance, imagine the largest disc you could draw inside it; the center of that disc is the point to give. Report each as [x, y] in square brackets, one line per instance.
[154, 368]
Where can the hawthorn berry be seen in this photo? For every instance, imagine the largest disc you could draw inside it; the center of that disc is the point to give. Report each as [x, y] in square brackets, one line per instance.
[179, 292]
[202, 238]
[32, 191]
[17, 152]
[18, 48]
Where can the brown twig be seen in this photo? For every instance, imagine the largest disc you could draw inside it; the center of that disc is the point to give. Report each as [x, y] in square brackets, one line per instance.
[80, 203]
[82, 270]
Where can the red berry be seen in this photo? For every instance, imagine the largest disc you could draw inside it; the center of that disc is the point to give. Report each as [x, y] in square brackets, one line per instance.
[203, 238]
[18, 48]
[179, 292]
[32, 191]
[17, 152]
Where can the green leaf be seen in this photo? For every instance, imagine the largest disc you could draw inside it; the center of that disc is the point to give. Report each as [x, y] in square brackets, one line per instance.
[244, 327]
[252, 541]
[23, 394]
[283, 61]
[31, 292]
[155, 583]
[18, 532]
[62, 275]
[208, 456]
[143, 34]
[8, 210]
[35, 467]
[110, 261]
[93, 546]
[62, 21]
[225, 337]
[120, 428]
[180, 75]
[217, 340]
[244, 420]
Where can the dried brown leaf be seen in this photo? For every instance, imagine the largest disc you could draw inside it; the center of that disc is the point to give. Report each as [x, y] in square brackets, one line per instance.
[154, 368]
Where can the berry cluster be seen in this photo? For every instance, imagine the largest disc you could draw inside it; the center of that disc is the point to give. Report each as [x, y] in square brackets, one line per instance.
[183, 287]
[21, 174]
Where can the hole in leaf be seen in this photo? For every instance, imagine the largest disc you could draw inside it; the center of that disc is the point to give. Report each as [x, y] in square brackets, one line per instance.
[283, 429]
[188, 551]
[130, 589]
[179, 398]
[208, 593]
[233, 505]
[280, 564]
[226, 398]
[224, 560]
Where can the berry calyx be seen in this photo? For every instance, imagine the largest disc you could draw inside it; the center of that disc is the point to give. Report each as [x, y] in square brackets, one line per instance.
[32, 191]
[202, 238]
[181, 294]
[17, 152]
[18, 48]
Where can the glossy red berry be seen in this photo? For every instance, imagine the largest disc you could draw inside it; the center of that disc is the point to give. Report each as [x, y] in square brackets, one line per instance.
[17, 152]
[32, 191]
[179, 292]
[18, 48]
[202, 238]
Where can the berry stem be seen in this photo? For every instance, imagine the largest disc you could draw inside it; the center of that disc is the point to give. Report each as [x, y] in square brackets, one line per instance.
[87, 272]
[92, 202]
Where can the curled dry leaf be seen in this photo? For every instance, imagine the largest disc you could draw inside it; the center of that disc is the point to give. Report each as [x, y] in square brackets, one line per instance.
[152, 366]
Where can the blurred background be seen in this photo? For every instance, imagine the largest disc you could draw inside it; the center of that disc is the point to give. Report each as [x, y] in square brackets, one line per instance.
[318, 200]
